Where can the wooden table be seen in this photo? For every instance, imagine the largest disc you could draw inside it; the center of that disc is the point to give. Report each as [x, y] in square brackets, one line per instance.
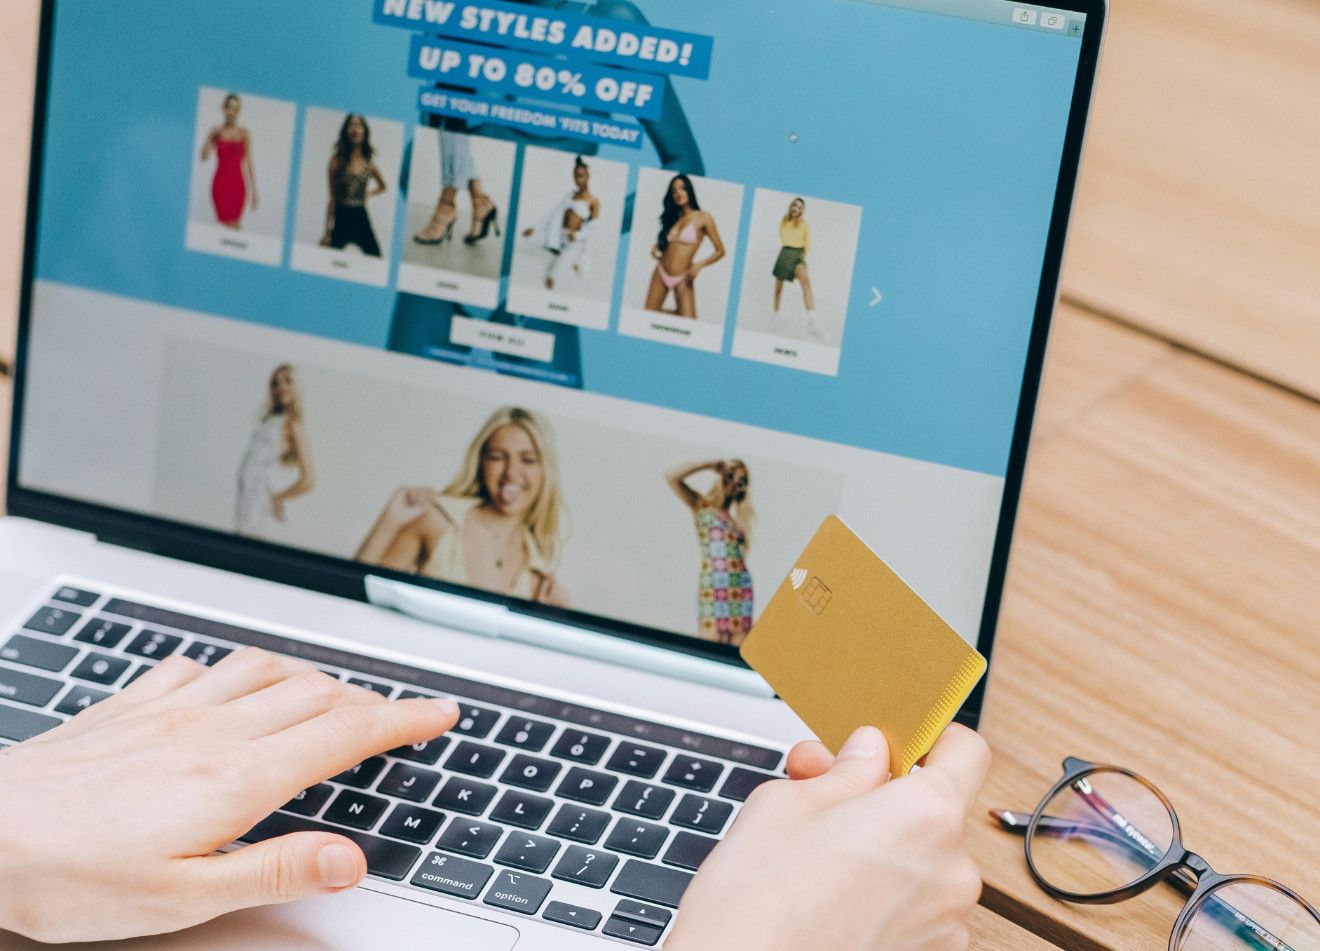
[1164, 597]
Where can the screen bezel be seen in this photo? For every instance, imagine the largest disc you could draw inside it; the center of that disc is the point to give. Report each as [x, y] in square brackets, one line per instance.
[346, 578]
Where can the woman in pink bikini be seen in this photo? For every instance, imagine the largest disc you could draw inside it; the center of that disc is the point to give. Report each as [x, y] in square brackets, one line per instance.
[683, 226]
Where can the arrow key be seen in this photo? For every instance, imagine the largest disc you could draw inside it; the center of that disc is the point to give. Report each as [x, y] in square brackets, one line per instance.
[633, 931]
[573, 915]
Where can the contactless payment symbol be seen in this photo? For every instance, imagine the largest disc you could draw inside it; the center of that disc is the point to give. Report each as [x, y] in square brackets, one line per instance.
[816, 595]
[796, 577]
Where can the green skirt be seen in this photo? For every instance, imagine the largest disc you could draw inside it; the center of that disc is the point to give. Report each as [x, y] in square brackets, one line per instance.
[787, 262]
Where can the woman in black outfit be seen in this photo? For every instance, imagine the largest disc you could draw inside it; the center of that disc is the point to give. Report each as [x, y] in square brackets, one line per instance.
[354, 178]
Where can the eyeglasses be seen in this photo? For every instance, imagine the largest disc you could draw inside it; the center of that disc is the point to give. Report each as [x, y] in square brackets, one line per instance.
[1104, 834]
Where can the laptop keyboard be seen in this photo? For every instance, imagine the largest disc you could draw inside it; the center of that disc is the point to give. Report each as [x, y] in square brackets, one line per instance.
[588, 819]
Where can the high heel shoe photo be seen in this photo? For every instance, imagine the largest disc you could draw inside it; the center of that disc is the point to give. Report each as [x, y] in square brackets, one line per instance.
[421, 238]
[492, 220]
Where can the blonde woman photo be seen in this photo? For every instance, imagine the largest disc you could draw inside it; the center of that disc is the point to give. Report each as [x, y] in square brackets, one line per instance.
[497, 526]
[278, 441]
[724, 518]
[791, 265]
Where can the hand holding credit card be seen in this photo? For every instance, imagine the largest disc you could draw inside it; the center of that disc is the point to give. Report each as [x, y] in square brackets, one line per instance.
[845, 642]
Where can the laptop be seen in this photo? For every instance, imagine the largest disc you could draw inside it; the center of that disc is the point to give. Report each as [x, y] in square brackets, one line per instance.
[511, 351]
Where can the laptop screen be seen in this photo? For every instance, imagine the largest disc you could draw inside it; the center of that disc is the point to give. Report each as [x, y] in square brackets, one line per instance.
[594, 307]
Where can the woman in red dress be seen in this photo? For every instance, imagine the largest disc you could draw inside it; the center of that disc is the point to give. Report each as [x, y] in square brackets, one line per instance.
[234, 185]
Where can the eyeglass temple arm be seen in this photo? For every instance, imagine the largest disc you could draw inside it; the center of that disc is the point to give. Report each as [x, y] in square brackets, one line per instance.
[1118, 831]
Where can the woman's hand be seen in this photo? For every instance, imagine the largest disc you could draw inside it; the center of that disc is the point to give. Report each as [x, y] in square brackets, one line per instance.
[407, 505]
[846, 859]
[325, 239]
[690, 278]
[550, 591]
[111, 819]
[655, 252]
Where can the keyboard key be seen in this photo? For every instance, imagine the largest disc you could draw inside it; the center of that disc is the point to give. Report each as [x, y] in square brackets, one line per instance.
[465, 796]
[469, 837]
[521, 809]
[651, 883]
[699, 775]
[637, 838]
[385, 690]
[102, 632]
[584, 748]
[531, 773]
[392, 860]
[78, 699]
[476, 722]
[453, 876]
[427, 753]
[578, 824]
[689, 851]
[142, 669]
[474, 759]
[639, 799]
[356, 809]
[514, 891]
[641, 761]
[84, 599]
[643, 914]
[363, 774]
[309, 801]
[575, 916]
[590, 867]
[704, 815]
[154, 645]
[409, 782]
[530, 735]
[585, 785]
[412, 823]
[632, 931]
[33, 652]
[19, 725]
[27, 688]
[531, 853]
[208, 655]
[100, 668]
[56, 621]
[742, 782]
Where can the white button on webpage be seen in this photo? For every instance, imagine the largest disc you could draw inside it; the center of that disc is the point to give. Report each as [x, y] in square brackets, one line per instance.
[501, 338]
[1024, 16]
[1053, 21]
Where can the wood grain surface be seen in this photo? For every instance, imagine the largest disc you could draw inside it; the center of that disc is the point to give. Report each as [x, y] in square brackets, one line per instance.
[1198, 216]
[1164, 591]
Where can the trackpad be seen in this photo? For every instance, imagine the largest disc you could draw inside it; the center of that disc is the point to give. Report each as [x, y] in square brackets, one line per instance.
[347, 922]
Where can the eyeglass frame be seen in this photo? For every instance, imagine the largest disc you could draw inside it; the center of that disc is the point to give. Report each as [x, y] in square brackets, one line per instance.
[1178, 865]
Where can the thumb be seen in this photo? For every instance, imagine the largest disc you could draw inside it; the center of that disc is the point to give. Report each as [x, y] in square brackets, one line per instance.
[280, 870]
[862, 765]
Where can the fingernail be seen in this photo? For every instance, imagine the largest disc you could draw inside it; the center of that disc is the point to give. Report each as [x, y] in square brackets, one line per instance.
[448, 707]
[863, 744]
[338, 866]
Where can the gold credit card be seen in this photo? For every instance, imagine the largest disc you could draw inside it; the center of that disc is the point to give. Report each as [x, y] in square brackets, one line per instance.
[846, 643]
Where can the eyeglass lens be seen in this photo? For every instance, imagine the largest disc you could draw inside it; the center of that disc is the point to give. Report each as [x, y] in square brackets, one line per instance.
[1102, 832]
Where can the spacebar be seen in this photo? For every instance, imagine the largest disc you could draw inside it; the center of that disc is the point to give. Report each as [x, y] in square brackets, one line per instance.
[387, 859]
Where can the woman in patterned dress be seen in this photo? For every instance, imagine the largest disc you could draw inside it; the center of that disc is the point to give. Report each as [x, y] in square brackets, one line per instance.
[724, 518]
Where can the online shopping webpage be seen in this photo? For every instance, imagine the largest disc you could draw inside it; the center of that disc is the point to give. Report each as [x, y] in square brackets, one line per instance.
[598, 305]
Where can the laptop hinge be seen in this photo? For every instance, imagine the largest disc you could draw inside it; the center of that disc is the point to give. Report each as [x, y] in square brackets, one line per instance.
[495, 620]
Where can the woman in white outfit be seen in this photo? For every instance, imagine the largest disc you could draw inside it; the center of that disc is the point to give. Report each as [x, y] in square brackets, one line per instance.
[566, 230]
[278, 441]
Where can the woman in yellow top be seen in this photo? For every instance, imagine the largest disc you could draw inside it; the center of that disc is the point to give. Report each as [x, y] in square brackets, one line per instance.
[497, 525]
[791, 265]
